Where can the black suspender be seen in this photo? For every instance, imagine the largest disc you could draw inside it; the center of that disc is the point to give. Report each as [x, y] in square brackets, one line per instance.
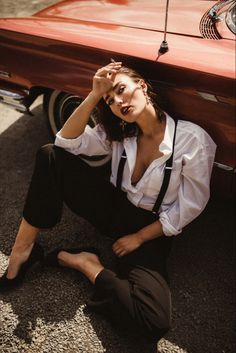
[166, 178]
[120, 170]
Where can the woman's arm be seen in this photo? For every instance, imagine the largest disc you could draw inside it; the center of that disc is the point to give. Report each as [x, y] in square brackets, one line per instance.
[194, 189]
[78, 120]
[102, 82]
[192, 196]
[131, 242]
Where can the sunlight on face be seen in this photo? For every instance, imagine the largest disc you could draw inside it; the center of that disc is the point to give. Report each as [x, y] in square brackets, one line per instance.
[126, 99]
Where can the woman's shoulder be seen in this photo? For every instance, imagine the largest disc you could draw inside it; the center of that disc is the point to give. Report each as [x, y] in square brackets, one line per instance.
[190, 132]
[190, 127]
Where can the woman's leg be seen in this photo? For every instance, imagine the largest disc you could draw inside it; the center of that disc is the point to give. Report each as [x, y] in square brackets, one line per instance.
[40, 195]
[140, 302]
[43, 205]
[22, 247]
[57, 175]
[138, 296]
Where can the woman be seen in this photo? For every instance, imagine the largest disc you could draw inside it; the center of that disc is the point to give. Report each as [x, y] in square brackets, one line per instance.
[159, 182]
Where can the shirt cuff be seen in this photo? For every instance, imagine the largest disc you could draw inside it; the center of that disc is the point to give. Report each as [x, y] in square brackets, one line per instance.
[168, 229]
[68, 143]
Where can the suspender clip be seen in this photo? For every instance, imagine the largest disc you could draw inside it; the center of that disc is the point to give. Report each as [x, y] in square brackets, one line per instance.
[170, 168]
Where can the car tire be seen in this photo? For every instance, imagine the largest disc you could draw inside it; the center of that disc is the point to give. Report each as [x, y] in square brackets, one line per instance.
[58, 106]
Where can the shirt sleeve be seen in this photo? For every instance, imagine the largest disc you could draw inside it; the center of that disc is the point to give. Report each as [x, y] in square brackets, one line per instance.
[194, 189]
[92, 142]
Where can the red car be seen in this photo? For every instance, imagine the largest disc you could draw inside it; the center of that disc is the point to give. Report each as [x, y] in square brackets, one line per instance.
[186, 49]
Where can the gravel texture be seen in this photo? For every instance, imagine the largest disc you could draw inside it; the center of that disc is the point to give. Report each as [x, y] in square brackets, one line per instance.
[48, 314]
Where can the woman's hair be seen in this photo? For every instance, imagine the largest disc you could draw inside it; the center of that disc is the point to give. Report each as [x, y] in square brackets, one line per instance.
[112, 124]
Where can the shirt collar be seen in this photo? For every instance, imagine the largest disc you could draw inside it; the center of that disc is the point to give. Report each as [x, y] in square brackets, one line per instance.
[166, 145]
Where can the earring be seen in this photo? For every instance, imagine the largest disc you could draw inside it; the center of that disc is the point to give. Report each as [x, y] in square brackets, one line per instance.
[148, 99]
[123, 125]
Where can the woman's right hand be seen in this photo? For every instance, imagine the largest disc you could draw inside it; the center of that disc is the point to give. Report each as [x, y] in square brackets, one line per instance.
[104, 78]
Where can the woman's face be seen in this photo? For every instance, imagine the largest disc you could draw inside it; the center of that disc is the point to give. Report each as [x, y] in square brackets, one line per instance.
[127, 98]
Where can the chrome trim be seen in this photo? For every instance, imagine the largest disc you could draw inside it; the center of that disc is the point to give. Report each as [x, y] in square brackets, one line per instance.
[224, 167]
[20, 108]
[213, 12]
[5, 74]
[4, 93]
[13, 99]
[207, 96]
[208, 22]
[229, 22]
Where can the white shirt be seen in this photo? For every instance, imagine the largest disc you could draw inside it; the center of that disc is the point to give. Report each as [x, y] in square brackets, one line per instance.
[188, 191]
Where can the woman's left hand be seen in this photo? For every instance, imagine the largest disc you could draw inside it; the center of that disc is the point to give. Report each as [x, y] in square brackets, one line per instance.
[126, 244]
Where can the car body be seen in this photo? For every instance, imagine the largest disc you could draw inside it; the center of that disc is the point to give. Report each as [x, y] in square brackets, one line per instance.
[56, 52]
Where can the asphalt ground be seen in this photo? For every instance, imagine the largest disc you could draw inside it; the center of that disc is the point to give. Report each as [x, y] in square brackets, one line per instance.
[48, 312]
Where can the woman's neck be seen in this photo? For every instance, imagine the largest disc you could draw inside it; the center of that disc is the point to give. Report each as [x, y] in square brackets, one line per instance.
[149, 123]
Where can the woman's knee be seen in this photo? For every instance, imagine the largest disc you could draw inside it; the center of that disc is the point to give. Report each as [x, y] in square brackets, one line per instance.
[44, 152]
[152, 302]
[50, 155]
[155, 319]
[155, 309]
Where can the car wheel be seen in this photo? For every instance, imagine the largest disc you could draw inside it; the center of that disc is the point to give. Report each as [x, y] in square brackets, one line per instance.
[58, 107]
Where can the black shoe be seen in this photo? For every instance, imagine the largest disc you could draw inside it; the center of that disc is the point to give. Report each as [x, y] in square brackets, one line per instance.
[36, 255]
[52, 260]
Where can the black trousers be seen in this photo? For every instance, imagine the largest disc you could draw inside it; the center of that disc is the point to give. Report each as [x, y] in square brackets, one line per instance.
[137, 296]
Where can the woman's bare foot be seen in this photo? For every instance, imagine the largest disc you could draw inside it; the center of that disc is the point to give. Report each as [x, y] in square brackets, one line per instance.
[85, 262]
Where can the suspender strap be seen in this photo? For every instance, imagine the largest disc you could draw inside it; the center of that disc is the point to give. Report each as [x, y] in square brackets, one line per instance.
[166, 179]
[120, 170]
